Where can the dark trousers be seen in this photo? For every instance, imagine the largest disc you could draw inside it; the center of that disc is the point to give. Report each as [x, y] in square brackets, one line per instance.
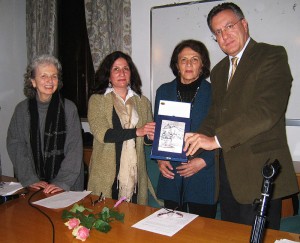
[233, 211]
[204, 210]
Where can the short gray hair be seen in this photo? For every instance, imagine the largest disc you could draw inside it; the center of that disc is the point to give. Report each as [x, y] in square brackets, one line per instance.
[29, 90]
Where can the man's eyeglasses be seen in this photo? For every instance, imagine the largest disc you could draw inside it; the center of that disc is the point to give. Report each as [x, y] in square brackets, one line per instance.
[170, 213]
[100, 199]
[226, 29]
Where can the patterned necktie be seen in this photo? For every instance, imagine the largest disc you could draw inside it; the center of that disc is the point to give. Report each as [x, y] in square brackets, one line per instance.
[234, 61]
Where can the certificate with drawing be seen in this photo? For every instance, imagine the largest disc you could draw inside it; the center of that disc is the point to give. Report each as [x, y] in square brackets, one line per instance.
[171, 125]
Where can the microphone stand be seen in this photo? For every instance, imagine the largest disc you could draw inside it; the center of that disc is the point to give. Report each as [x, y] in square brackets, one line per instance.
[269, 173]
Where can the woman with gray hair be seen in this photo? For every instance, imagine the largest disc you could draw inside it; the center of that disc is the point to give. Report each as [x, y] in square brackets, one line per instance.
[44, 139]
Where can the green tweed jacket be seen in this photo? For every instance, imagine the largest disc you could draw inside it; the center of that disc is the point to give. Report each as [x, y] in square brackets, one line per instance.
[249, 120]
[102, 170]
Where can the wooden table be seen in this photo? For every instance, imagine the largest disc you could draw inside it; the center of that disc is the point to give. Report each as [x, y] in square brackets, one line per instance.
[22, 223]
[287, 204]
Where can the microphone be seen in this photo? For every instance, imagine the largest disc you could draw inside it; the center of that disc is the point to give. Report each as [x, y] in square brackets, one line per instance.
[4, 199]
[269, 172]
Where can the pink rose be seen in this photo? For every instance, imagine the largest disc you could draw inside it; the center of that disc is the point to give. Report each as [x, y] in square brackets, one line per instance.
[73, 223]
[81, 233]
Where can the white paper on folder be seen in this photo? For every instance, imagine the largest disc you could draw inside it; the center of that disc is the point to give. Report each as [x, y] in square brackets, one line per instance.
[62, 200]
[174, 108]
[165, 226]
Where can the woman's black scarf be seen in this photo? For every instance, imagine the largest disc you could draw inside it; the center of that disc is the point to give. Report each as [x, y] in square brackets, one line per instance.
[47, 162]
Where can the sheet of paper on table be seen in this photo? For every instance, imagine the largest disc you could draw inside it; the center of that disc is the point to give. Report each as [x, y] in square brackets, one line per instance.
[284, 241]
[62, 200]
[8, 188]
[168, 225]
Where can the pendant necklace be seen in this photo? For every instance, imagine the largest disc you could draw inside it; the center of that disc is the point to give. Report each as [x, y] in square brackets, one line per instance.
[193, 99]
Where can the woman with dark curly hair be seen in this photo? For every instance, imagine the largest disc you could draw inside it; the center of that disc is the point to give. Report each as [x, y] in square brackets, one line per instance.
[44, 139]
[120, 119]
[191, 186]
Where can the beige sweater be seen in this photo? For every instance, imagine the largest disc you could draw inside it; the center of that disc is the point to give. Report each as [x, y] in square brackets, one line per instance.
[102, 170]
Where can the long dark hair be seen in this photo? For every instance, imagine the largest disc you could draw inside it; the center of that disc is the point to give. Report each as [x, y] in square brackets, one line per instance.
[103, 73]
[198, 47]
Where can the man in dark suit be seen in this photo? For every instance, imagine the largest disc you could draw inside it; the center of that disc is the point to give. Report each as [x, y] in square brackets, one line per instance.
[247, 118]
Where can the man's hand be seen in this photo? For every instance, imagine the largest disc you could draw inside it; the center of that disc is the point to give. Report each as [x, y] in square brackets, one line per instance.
[165, 168]
[195, 141]
[191, 168]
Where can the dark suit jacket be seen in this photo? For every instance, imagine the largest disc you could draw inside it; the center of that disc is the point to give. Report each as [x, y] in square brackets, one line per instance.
[249, 119]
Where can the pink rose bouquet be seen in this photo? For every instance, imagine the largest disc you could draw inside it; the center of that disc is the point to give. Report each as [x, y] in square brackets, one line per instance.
[81, 224]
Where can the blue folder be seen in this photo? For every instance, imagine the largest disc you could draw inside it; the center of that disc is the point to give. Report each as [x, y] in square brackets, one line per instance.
[169, 138]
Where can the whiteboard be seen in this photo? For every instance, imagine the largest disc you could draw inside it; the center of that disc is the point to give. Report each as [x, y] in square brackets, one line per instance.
[272, 21]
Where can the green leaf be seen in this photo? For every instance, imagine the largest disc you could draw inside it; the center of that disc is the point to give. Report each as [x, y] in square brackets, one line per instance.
[104, 215]
[88, 209]
[87, 221]
[102, 226]
[116, 215]
[77, 207]
[67, 215]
